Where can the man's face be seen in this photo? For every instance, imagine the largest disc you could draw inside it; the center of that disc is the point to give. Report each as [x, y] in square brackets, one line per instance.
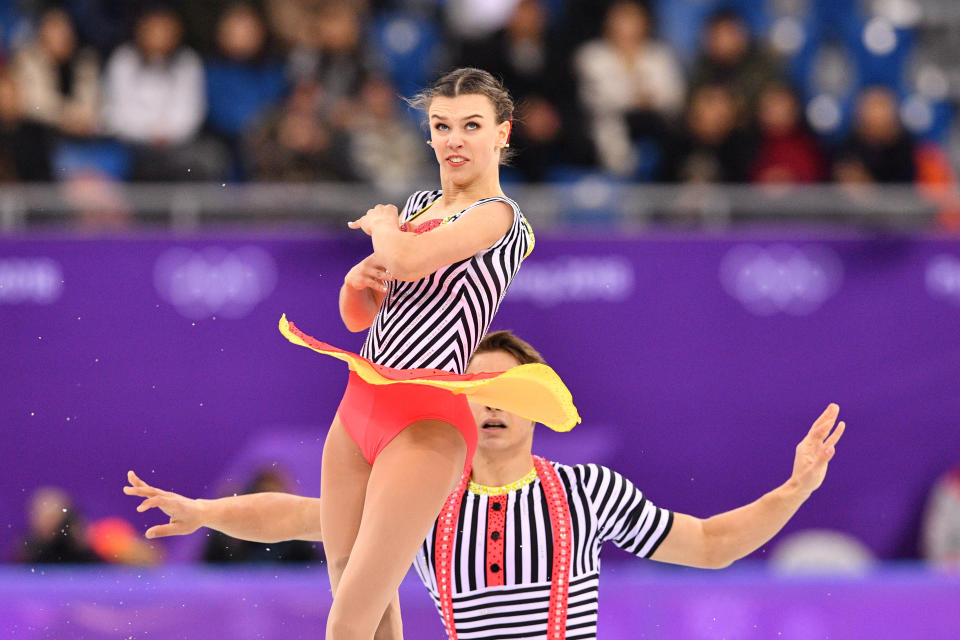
[727, 41]
[158, 35]
[500, 432]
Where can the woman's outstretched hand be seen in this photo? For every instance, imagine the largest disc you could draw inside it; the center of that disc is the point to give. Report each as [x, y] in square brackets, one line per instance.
[816, 450]
[381, 214]
[186, 514]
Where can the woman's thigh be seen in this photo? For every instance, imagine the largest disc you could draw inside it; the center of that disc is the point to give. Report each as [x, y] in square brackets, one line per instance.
[410, 480]
[343, 486]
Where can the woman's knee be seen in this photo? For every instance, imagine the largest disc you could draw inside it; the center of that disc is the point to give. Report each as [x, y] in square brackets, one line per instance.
[341, 625]
[391, 626]
[336, 565]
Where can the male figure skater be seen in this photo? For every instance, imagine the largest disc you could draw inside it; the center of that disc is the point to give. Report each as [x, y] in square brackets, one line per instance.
[515, 551]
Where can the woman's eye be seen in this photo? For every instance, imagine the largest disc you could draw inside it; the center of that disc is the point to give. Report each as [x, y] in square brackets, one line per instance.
[442, 127]
[472, 125]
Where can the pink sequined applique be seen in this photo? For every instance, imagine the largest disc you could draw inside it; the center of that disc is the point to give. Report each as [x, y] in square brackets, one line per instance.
[429, 225]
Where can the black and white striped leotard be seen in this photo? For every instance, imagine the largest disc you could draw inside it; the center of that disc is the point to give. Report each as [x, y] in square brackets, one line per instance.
[604, 507]
[436, 322]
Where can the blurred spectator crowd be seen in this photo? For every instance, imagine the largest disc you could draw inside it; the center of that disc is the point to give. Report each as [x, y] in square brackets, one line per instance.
[58, 533]
[701, 91]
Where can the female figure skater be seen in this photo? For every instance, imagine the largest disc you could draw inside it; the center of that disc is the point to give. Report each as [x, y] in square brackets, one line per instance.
[402, 438]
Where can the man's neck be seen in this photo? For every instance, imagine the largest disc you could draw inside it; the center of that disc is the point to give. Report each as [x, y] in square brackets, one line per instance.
[498, 469]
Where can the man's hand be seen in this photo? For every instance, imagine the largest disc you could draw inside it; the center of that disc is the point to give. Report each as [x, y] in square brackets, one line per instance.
[382, 214]
[186, 515]
[816, 450]
[717, 541]
[368, 274]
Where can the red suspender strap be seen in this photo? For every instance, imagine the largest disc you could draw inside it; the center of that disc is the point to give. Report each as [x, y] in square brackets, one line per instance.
[443, 552]
[559, 510]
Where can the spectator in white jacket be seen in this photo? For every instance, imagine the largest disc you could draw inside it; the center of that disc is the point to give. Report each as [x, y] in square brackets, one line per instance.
[630, 85]
[154, 99]
[940, 535]
[58, 81]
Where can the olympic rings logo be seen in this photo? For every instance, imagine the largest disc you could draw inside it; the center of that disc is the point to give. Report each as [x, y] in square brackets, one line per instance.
[36, 280]
[781, 279]
[214, 280]
[943, 278]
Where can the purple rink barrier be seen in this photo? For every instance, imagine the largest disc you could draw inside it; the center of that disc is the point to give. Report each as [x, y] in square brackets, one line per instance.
[189, 603]
[697, 362]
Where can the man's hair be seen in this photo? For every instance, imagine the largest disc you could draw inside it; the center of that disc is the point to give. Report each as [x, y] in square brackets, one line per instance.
[521, 350]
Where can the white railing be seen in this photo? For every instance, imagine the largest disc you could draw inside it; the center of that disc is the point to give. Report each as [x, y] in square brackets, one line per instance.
[589, 202]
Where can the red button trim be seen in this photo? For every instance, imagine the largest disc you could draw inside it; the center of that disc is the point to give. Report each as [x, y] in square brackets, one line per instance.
[496, 524]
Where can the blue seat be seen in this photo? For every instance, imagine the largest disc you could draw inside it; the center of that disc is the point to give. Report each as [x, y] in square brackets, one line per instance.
[885, 69]
[238, 93]
[649, 156]
[587, 196]
[406, 45]
[109, 158]
[12, 24]
[680, 22]
[942, 114]
[805, 67]
[509, 175]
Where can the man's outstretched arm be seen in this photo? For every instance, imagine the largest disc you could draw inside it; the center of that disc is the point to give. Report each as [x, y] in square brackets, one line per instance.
[258, 517]
[716, 542]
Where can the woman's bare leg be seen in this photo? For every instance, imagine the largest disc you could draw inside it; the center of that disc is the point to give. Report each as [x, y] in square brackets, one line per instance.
[343, 478]
[391, 626]
[406, 489]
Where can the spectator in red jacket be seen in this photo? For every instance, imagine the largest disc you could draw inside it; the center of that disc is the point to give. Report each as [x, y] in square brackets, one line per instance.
[787, 152]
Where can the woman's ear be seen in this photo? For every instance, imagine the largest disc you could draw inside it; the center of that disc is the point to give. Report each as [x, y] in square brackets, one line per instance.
[506, 132]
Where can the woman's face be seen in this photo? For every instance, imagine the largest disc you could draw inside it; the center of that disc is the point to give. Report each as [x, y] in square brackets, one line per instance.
[57, 35]
[158, 35]
[626, 25]
[727, 42]
[877, 117]
[240, 34]
[778, 112]
[713, 114]
[465, 136]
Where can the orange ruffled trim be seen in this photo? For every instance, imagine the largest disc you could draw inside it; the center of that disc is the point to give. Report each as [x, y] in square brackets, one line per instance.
[533, 391]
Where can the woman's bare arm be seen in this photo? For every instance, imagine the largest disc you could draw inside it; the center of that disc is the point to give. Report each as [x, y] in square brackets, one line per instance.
[410, 256]
[362, 293]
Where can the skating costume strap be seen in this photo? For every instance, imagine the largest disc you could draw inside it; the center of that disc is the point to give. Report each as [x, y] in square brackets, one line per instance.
[533, 391]
[559, 510]
[560, 524]
[416, 205]
[443, 553]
